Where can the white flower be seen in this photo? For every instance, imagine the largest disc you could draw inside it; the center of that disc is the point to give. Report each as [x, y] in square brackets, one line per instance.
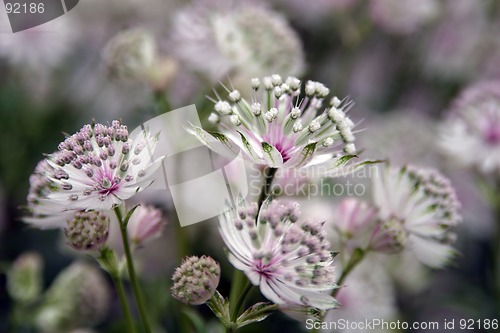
[290, 260]
[471, 134]
[417, 208]
[278, 128]
[241, 38]
[96, 168]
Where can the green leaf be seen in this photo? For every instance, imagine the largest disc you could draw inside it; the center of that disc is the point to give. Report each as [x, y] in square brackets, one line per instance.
[220, 307]
[247, 145]
[305, 155]
[272, 155]
[107, 260]
[256, 313]
[129, 214]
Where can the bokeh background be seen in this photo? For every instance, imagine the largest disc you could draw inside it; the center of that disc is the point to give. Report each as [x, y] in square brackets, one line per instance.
[402, 62]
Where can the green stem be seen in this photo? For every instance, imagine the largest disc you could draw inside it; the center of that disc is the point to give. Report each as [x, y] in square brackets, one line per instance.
[123, 302]
[269, 174]
[131, 270]
[235, 311]
[355, 259]
[239, 304]
[107, 259]
[238, 284]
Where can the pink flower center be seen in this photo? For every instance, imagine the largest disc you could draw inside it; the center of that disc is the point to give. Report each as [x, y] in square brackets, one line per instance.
[283, 143]
[492, 135]
[266, 270]
[106, 183]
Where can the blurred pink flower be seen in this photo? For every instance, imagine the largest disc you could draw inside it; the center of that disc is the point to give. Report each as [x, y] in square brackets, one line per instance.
[471, 133]
[146, 223]
[403, 17]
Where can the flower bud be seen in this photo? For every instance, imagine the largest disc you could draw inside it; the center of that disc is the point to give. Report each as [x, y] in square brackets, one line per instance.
[78, 297]
[389, 236]
[146, 223]
[24, 279]
[87, 230]
[196, 280]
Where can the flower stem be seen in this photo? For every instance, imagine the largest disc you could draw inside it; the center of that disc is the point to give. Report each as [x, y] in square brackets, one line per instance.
[239, 305]
[269, 174]
[356, 258]
[123, 302]
[107, 260]
[131, 270]
[238, 284]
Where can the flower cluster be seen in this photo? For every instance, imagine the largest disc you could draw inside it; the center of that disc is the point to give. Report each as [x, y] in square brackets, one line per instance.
[471, 134]
[289, 259]
[278, 128]
[196, 280]
[243, 38]
[130, 55]
[412, 208]
[418, 206]
[96, 168]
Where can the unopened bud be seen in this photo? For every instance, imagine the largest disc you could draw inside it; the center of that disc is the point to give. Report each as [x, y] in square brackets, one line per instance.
[87, 230]
[196, 280]
[146, 223]
[24, 279]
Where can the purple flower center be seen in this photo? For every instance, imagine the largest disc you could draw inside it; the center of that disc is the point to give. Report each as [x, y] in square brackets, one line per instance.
[265, 269]
[492, 136]
[283, 143]
[106, 185]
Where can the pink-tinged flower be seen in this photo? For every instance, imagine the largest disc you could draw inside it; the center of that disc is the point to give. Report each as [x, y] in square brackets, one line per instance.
[280, 129]
[196, 280]
[95, 169]
[403, 16]
[417, 209]
[471, 134]
[146, 223]
[353, 221]
[242, 39]
[290, 260]
[42, 213]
